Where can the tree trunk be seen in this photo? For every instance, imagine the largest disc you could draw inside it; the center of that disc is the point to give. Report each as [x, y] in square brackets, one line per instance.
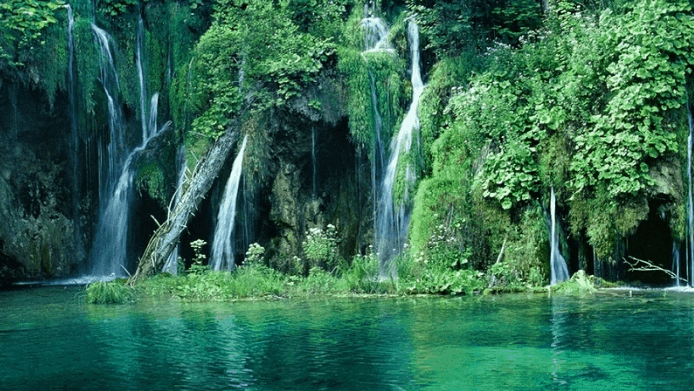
[166, 237]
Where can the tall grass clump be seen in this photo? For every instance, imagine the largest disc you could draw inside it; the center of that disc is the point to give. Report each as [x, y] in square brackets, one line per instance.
[362, 276]
[111, 292]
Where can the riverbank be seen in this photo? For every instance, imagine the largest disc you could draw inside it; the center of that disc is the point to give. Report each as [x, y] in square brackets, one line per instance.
[259, 282]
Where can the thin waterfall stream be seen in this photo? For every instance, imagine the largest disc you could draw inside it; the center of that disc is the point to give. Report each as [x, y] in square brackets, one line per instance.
[392, 221]
[314, 160]
[558, 270]
[74, 138]
[690, 206]
[222, 245]
[171, 265]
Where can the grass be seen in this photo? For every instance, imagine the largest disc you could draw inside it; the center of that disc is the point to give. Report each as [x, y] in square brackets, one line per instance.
[256, 282]
[111, 292]
[362, 277]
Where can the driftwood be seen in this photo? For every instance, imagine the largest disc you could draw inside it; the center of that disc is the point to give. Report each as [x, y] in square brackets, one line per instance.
[640, 265]
[192, 191]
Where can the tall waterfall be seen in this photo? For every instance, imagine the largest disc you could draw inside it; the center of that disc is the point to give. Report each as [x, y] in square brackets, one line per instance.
[140, 73]
[392, 221]
[109, 252]
[74, 139]
[222, 248]
[314, 160]
[376, 39]
[558, 270]
[110, 170]
[690, 209]
[171, 265]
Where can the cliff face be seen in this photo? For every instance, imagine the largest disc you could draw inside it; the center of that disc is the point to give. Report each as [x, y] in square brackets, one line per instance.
[37, 227]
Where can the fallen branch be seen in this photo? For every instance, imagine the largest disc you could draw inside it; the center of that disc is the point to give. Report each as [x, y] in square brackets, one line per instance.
[640, 265]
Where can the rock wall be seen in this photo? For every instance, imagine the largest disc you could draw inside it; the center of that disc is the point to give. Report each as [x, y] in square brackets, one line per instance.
[37, 233]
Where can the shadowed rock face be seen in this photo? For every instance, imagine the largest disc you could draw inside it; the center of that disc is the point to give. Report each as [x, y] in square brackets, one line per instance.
[36, 225]
[342, 183]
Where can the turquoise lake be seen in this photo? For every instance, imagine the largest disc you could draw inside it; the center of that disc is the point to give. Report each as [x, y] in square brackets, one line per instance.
[51, 340]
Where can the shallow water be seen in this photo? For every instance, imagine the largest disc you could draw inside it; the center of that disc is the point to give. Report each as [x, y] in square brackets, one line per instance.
[50, 339]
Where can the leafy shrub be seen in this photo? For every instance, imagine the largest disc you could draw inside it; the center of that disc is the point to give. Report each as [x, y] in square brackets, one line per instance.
[198, 268]
[448, 282]
[321, 247]
[254, 254]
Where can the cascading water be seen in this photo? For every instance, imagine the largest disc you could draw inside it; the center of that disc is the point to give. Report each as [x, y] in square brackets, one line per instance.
[115, 154]
[376, 35]
[222, 249]
[74, 139]
[376, 39]
[558, 270]
[314, 160]
[690, 209]
[676, 261]
[141, 76]
[171, 265]
[392, 221]
[109, 252]
[378, 158]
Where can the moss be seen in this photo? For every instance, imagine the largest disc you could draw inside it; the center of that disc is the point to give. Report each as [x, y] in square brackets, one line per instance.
[51, 59]
[195, 145]
[151, 179]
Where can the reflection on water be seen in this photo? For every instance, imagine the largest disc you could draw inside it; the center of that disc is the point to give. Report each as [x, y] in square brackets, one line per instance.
[49, 339]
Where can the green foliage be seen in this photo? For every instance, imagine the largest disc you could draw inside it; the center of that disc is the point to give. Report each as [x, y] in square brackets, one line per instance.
[524, 263]
[254, 255]
[448, 282]
[116, 7]
[452, 27]
[362, 276]
[320, 247]
[151, 179]
[269, 64]
[197, 268]
[586, 105]
[23, 28]
[111, 292]
[579, 284]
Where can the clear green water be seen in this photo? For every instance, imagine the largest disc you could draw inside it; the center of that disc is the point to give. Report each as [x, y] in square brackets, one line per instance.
[51, 340]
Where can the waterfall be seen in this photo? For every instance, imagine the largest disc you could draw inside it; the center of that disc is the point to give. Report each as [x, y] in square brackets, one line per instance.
[378, 158]
[376, 34]
[74, 138]
[392, 221]
[140, 74]
[558, 269]
[109, 252]
[690, 209]
[222, 250]
[171, 265]
[376, 37]
[676, 261]
[116, 144]
[314, 161]
[152, 123]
